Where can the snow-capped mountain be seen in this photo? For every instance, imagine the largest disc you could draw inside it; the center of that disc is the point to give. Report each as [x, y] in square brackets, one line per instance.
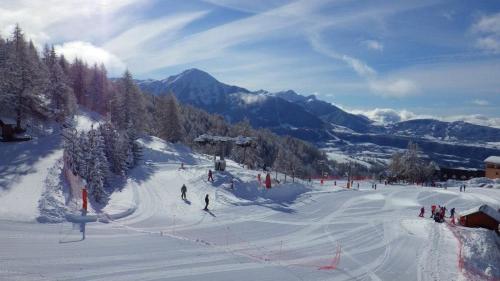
[456, 144]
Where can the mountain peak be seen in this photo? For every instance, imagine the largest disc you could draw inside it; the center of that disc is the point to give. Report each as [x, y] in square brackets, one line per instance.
[191, 75]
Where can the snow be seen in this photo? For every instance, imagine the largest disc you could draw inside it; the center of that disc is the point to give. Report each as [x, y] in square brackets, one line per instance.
[86, 119]
[481, 250]
[289, 232]
[493, 159]
[23, 170]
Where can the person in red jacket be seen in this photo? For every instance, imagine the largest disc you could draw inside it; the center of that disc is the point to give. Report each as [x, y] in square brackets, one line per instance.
[268, 180]
[433, 210]
[84, 199]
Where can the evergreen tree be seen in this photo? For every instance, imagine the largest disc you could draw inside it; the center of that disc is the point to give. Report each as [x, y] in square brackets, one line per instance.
[134, 150]
[24, 81]
[114, 148]
[97, 166]
[168, 119]
[63, 102]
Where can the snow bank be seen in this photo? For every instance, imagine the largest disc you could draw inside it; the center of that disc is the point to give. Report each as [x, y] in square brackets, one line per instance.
[52, 202]
[481, 252]
[484, 182]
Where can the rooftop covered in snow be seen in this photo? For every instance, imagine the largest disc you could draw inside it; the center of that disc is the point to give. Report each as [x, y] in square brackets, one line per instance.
[486, 209]
[493, 159]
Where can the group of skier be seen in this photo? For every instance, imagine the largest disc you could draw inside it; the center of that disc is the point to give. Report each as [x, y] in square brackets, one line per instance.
[438, 213]
[184, 197]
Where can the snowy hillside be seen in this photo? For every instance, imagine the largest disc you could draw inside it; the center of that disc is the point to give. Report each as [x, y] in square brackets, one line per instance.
[295, 231]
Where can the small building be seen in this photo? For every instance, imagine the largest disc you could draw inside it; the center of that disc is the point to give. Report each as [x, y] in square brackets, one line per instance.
[483, 216]
[447, 173]
[492, 165]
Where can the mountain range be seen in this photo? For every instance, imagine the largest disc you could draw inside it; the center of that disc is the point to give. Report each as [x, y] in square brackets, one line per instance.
[345, 136]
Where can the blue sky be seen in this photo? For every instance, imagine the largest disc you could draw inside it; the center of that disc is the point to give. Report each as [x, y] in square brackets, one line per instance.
[415, 58]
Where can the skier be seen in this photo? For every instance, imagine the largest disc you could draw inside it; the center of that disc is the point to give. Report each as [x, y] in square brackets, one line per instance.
[206, 202]
[182, 166]
[210, 178]
[183, 192]
[268, 180]
[232, 183]
[422, 211]
[258, 178]
[464, 187]
[433, 210]
[452, 213]
[375, 186]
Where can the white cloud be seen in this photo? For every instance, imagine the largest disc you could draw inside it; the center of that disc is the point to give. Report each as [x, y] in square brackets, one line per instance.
[41, 18]
[386, 115]
[477, 119]
[389, 116]
[374, 45]
[481, 102]
[393, 87]
[487, 29]
[91, 54]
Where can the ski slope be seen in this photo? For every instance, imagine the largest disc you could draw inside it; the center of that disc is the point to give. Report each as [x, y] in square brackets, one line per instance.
[294, 231]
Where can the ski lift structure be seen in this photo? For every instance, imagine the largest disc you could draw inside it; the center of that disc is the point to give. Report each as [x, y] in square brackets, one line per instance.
[221, 142]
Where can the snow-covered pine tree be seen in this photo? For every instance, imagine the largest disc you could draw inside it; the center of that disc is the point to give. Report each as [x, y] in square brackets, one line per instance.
[71, 141]
[133, 148]
[114, 148]
[97, 166]
[127, 105]
[23, 79]
[63, 102]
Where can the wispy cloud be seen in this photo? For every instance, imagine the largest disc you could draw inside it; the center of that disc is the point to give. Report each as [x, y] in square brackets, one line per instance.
[398, 88]
[487, 28]
[480, 102]
[373, 45]
[133, 41]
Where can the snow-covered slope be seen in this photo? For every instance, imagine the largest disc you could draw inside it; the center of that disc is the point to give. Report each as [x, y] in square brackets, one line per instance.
[294, 231]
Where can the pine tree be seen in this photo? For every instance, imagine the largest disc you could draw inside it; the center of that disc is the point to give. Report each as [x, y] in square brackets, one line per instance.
[134, 150]
[115, 148]
[63, 102]
[97, 166]
[24, 81]
[167, 118]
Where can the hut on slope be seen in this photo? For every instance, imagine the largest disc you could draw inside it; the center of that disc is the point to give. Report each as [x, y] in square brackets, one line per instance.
[483, 216]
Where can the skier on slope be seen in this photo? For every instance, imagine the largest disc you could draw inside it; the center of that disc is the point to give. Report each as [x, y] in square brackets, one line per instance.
[433, 210]
[183, 192]
[422, 211]
[452, 213]
[268, 180]
[206, 202]
[210, 177]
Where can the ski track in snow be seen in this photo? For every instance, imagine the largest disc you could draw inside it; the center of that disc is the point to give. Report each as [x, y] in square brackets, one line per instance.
[165, 238]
